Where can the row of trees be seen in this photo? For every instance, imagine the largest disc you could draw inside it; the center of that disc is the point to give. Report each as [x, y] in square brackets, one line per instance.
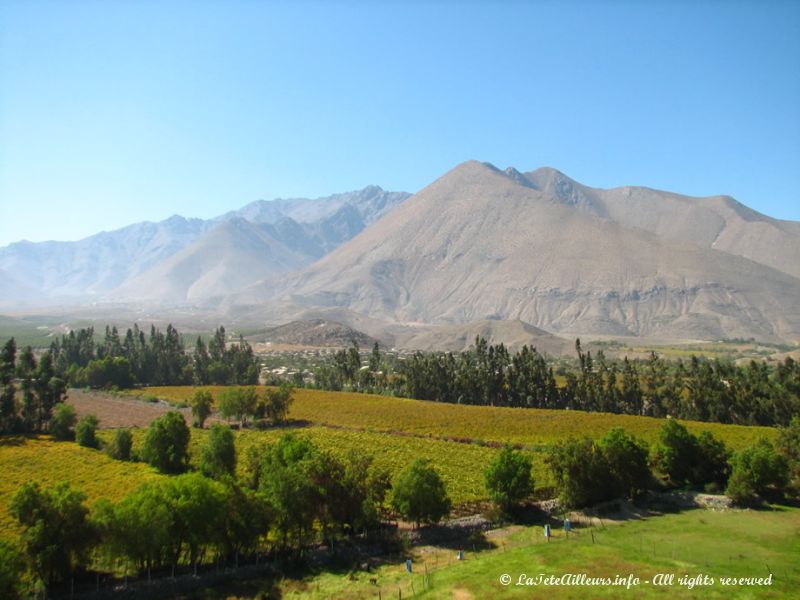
[30, 390]
[700, 389]
[159, 358]
[588, 472]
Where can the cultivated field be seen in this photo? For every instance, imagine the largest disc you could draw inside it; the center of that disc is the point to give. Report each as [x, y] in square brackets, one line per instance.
[533, 428]
[46, 462]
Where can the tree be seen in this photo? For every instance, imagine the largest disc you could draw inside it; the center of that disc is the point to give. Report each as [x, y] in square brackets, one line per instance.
[239, 402]
[8, 392]
[63, 421]
[86, 432]
[508, 478]
[288, 485]
[11, 567]
[275, 404]
[676, 452]
[167, 442]
[218, 457]
[712, 464]
[788, 444]
[57, 535]
[627, 461]
[581, 472]
[122, 445]
[201, 407]
[419, 494]
[758, 471]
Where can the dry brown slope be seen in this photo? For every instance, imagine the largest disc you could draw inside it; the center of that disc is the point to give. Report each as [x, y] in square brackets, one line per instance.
[476, 244]
[718, 222]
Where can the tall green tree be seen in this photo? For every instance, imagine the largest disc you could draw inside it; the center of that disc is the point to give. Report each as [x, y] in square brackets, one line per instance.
[508, 478]
[166, 445]
[218, 457]
[57, 534]
[419, 494]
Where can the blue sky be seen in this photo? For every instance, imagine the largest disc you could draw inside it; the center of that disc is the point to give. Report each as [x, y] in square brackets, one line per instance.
[115, 112]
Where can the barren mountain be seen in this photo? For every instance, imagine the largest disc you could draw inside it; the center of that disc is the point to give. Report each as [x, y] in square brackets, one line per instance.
[223, 260]
[318, 333]
[480, 243]
[49, 273]
[718, 222]
[65, 271]
[457, 338]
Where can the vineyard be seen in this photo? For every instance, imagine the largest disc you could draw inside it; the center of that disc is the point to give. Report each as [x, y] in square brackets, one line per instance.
[532, 428]
[461, 465]
[26, 459]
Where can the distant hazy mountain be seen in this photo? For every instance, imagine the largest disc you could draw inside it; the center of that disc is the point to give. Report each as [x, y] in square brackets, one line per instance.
[70, 271]
[130, 263]
[480, 243]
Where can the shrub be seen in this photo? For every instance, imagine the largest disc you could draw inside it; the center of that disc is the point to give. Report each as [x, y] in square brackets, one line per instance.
[86, 432]
[712, 464]
[508, 478]
[62, 422]
[419, 494]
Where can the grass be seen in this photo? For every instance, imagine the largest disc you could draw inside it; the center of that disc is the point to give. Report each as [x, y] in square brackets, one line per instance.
[47, 462]
[730, 543]
[533, 428]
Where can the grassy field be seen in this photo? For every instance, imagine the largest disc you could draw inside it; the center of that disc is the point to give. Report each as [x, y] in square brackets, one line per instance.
[533, 428]
[39, 459]
[729, 543]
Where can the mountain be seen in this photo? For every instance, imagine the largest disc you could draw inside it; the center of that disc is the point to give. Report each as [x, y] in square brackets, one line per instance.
[116, 265]
[457, 338]
[224, 259]
[75, 271]
[484, 244]
[317, 333]
[718, 222]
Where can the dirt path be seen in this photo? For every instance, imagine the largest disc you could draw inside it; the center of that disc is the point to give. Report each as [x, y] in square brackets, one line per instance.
[113, 411]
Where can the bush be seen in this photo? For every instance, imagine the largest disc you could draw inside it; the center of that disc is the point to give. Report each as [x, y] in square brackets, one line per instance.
[122, 445]
[419, 494]
[508, 478]
[758, 471]
[86, 432]
[166, 444]
[62, 422]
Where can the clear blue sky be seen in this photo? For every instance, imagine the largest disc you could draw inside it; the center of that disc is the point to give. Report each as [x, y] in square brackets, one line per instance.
[120, 111]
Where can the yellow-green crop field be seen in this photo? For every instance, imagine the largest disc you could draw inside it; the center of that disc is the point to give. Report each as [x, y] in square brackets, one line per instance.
[46, 462]
[534, 428]
[461, 465]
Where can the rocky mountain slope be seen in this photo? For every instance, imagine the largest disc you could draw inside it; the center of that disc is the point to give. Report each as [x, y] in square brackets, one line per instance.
[480, 243]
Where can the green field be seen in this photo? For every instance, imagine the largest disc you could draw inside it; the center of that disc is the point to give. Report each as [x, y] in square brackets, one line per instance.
[730, 543]
[533, 428]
